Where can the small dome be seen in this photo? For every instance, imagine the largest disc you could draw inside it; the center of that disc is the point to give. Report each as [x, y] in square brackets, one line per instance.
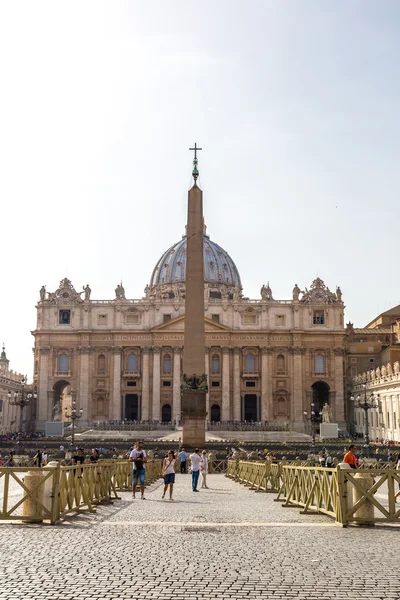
[219, 268]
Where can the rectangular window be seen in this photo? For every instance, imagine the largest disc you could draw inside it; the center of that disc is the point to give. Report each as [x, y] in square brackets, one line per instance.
[215, 318]
[370, 348]
[215, 384]
[249, 319]
[166, 318]
[101, 319]
[64, 317]
[279, 320]
[166, 384]
[132, 319]
[250, 384]
[131, 384]
[319, 317]
[353, 360]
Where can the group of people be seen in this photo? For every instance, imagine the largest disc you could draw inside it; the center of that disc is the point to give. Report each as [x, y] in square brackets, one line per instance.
[199, 464]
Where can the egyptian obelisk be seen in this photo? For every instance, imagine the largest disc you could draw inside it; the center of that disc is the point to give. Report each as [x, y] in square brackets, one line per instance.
[194, 380]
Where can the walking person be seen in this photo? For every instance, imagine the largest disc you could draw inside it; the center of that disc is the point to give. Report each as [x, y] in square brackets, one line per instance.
[195, 460]
[168, 473]
[183, 460]
[204, 469]
[38, 459]
[139, 458]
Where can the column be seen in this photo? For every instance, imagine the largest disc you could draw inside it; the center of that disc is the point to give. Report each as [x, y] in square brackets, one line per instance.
[266, 389]
[225, 385]
[207, 372]
[156, 412]
[83, 385]
[176, 386]
[297, 416]
[44, 363]
[236, 385]
[145, 384]
[338, 411]
[115, 412]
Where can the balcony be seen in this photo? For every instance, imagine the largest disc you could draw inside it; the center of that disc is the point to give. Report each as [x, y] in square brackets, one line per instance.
[62, 373]
[250, 374]
[131, 374]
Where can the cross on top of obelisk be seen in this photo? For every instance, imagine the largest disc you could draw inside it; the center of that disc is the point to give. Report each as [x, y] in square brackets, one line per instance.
[195, 171]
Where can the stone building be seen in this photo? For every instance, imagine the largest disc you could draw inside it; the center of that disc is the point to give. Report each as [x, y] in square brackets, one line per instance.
[121, 358]
[9, 382]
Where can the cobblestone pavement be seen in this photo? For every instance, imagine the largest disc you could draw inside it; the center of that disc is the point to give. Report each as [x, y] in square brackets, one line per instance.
[225, 542]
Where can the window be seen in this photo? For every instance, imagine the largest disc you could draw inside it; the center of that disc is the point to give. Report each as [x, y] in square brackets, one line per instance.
[215, 295]
[280, 363]
[319, 363]
[100, 406]
[63, 363]
[166, 318]
[318, 317]
[132, 363]
[166, 384]
[249, 319]
[279, 320]
[131, 384]
[64, 317]
[215, 364]
[167, 366]
[215, 318]
[101, 364]
[101, 319]
[250, 384]
[353, 360]
[250, 363]
[371, 360]
[132, 319]
[215, 384]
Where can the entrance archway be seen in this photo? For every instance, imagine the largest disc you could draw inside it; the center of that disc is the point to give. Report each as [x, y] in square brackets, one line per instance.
[215, 413]
[132, 408]
[250, 407]
[319, 395]
[166, 413]
[62, 399]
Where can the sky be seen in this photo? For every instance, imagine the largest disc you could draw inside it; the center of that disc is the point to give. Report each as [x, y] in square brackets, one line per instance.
[295, 105]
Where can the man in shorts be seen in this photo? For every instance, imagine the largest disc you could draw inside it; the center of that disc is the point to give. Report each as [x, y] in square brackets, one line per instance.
[138, 458]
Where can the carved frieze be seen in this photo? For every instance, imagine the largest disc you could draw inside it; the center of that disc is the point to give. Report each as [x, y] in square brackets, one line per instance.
[45, 350]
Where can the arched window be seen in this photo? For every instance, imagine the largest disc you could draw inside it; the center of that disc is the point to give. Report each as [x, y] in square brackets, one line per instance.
[132, 363]
[101, 364]
[63, 363]
[319, 363]
[167, 366]
[215, 364]
[280, 363]
[250, 363]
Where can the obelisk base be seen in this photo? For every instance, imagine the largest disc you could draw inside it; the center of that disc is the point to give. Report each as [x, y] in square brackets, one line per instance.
[193, 419]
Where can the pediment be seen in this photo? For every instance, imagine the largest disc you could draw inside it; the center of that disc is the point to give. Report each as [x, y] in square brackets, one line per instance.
[178, 325]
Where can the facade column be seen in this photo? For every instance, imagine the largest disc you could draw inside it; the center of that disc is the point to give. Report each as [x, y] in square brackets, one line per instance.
[237, 408]
[176, 386]
[226, 415]
[266, 388]
[115, 412]
[297, 416]
[145, 415]
[44, 364]
[339, 385]
[156, 412]
[207, 372]
[83, 385]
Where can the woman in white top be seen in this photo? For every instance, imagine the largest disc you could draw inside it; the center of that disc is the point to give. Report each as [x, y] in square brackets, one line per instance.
[168, 472]
[204, 469]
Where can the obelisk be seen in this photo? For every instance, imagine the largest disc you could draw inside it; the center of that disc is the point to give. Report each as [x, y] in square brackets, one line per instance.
[194, 380]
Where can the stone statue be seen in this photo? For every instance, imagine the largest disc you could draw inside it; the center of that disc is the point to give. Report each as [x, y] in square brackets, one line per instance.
[206, 292]
[87, 291]
[396, 367]
[43, 293]
[389, 369]
[57, 412]
[236, 293]
[296, 292]
[383, 371]
[339, 294]
[266, 293]
[326, 413]
[378, 372]
[146, 290]
[120, 292]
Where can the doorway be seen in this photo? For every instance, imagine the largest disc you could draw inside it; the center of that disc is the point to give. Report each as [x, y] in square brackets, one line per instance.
[250, 407]
[166, 413]
[319, 395]
[215, 413]
[132, 412]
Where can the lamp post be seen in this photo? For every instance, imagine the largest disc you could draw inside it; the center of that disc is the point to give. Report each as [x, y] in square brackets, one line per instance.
[366, 404]
[21, 399]
[314, 418]
[73, 415]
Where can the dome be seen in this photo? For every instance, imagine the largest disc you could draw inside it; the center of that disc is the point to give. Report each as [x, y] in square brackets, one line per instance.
[219, 268]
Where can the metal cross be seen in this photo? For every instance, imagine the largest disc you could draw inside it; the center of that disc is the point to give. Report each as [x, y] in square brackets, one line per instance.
[195, 150]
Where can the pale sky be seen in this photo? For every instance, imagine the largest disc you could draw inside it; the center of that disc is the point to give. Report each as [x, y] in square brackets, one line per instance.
[294, 102]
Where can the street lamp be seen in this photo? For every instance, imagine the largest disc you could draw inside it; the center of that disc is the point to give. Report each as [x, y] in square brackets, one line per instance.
[314, 418]
[21, 399]
[366, 404]
[73, 416]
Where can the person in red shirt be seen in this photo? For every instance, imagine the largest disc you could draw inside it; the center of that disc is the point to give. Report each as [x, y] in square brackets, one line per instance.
[350, 457]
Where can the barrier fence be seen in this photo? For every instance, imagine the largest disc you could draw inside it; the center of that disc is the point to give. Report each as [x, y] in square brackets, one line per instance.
[359, 497]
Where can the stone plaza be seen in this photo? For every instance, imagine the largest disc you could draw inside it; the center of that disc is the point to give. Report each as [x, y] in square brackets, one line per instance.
[225, 542]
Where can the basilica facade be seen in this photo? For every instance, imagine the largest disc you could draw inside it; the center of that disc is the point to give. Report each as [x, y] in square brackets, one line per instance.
[266, 359]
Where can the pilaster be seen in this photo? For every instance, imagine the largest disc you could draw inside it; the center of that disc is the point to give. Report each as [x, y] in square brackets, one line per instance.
[225, 385]
[236, 385]
[116, 384]
[176, 386]
[156, 412]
